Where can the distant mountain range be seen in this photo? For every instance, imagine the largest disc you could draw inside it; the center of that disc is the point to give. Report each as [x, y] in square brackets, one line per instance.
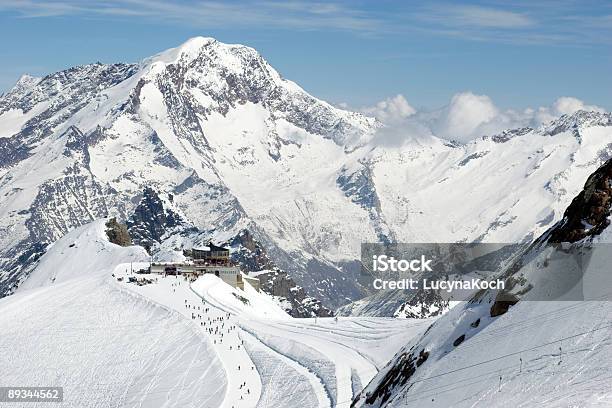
[208, 141]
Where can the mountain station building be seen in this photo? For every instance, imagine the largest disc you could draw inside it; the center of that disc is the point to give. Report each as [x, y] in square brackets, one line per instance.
[211, 259]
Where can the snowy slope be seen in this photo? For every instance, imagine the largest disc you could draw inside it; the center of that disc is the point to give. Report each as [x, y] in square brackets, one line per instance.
[165, 342]
[247, 302]
[105, 346]
[468, 375]
[328, 360]
[239, 147]
[539, 352]
[83, 253]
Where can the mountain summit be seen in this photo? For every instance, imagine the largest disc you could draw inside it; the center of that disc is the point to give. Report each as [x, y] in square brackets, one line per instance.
[238, 147]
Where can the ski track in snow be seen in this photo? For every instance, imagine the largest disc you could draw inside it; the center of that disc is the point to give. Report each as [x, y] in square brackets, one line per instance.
[284, 361]
[289, 383]
[175, 293]
[114, 343]
[333, 350]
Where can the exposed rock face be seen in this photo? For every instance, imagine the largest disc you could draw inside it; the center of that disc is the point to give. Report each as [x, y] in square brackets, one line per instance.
[18, 262]
[252, 257]
[118, 233]
[360, 188]
[422, 305]
[577, 122]
[66, 202]
[58, 96]
[589, 212]
[151, 220]
[398, 375]
[298, 303]
[506, 135]
[473, 156]
[249, 253]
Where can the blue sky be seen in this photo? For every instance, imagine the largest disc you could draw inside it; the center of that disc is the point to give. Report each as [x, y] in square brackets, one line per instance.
[519, 53]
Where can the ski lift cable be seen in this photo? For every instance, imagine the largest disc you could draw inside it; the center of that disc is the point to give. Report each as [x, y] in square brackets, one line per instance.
[503, 357]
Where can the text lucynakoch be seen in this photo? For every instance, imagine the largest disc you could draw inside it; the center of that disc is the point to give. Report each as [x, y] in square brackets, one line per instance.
[442, 285]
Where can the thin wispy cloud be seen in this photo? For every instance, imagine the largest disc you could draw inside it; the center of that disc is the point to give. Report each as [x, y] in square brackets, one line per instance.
[31, 8]
[476, 16]
[211, 14]
[527, 23]
[563, 23]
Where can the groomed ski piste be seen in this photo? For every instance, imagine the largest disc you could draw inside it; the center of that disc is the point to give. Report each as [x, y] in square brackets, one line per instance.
[550, 349]
[78, 322]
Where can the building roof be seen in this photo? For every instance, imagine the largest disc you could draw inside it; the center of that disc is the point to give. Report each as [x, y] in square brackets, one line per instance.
[211, 247]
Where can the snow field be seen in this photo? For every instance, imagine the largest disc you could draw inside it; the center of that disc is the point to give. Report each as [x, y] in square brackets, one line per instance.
[318, 362]
[106, 348]
[217, 327]
[167, 342]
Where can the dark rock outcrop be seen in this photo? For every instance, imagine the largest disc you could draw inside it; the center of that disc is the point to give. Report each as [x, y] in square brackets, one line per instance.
[588, 213]
[405, 366]
[249, 253]
[118, 233]
[150, 220]
[459, 340]
[502, 305]
[298, 304]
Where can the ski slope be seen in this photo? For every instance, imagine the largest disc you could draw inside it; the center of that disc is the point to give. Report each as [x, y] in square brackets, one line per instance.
[74, 327]
[330, 360]
[80, 323]
[549, 346]
[540, 354]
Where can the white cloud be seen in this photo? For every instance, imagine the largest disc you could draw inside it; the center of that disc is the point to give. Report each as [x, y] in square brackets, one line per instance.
[477, 16]
[390, 110]
[565, 105]
[298, 14]
[467, 116]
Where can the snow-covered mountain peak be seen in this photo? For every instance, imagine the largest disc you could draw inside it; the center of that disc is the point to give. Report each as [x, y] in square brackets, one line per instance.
[190, 49]
[578, 120]
[239, 147]
[206, 55]
[196, 43]
[26, 81]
